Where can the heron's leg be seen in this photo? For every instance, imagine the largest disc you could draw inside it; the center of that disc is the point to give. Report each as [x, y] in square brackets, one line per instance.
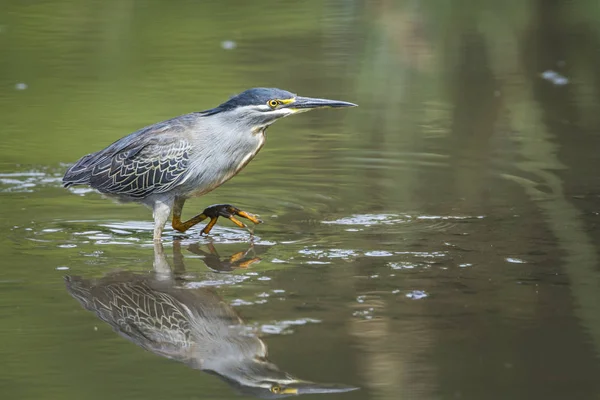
[213, 212]
[161, 265]
[177, 224]
[161, 212]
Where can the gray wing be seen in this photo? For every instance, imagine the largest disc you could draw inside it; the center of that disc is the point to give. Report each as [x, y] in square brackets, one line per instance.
[153, 320]
[150, 161]
[147, 169]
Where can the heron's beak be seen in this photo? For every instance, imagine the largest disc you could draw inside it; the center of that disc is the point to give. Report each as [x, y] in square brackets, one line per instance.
[314, 388]
[308, 103]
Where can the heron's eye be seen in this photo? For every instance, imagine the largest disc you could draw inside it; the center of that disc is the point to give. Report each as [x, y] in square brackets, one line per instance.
[276, 389]
[273, 103]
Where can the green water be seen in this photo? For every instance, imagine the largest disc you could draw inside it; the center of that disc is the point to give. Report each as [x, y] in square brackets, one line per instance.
[438, 242]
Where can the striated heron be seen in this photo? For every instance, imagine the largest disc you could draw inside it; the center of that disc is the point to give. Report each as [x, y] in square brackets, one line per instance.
[164, 164]
[162, 314]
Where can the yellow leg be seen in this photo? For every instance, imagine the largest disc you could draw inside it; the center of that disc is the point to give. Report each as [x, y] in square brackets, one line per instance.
[213, 212]
[179, 225]
[210, 225]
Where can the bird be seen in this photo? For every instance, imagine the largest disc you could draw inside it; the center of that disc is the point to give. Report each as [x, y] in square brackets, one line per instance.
[164, 164]
[164, 314]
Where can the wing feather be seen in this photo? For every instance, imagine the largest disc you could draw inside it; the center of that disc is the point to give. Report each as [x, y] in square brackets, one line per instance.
[150, 161]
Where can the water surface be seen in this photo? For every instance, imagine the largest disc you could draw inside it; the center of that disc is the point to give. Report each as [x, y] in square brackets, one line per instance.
[437, 242]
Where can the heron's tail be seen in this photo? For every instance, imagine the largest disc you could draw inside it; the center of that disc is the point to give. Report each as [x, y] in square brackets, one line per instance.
[79, 288]
[80, 172]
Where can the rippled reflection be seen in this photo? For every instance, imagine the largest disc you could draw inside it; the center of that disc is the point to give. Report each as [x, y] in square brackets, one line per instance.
[193, 326]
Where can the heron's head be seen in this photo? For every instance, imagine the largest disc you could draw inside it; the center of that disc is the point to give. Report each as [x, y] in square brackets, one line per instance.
[297, 387]
[272, 388]
[259, 377]
[260, 107]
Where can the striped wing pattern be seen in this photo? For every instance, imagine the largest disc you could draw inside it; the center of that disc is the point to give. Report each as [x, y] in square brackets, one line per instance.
[154, 320]
[152, 160]
[140, 171]
[140, 311]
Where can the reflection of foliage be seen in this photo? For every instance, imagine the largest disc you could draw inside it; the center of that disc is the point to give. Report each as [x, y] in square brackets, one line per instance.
[480, 97]
[102, 69]
[450, 105]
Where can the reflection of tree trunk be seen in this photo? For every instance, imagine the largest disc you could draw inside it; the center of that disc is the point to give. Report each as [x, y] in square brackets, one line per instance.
[473, 123]
[396, 51]
[529, 119]
[393, 360]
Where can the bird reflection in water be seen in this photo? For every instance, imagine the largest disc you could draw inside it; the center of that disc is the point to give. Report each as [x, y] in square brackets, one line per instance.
[215, 262]
[192, 326]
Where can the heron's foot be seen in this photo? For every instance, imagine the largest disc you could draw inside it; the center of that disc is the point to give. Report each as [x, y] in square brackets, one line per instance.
[214, 261]
[238, 259]
[228, 211]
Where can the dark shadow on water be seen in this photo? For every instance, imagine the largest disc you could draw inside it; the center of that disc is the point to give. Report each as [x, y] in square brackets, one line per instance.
[190, 325]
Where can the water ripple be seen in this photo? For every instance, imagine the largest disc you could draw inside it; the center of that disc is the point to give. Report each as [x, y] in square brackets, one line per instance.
[358, 222]
[26, 181]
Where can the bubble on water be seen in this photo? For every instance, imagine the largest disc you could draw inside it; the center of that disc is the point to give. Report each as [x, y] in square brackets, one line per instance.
[278, 261]
[361, 299]
[331, 253]
[378, 253]
[264, 278]
[554, 77]
[465, 265]
[271, 329]
[416, 294]
[424, 254]
[278, 291]
[26, 180]
[62, 268]
[264, 242]
[21, 86]
[95, 253]
[227, 280]
[283, 327]
[402, 265]
[515, 260]
[240, 302]
[120, 232]
[450, 217]
[67, 246]
[396, 291]
[100, 237]
[365, 314]
[228, 45]
[81, 191]
[368, 219]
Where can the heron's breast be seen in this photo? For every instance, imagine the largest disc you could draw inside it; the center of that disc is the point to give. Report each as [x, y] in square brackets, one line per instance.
[226, 161]
[249, 156]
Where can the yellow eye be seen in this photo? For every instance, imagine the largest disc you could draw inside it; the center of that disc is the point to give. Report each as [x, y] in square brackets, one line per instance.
[273, 103]
[275, 389]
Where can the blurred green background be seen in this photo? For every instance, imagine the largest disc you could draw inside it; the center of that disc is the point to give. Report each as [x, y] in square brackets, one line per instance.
[444, 233]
